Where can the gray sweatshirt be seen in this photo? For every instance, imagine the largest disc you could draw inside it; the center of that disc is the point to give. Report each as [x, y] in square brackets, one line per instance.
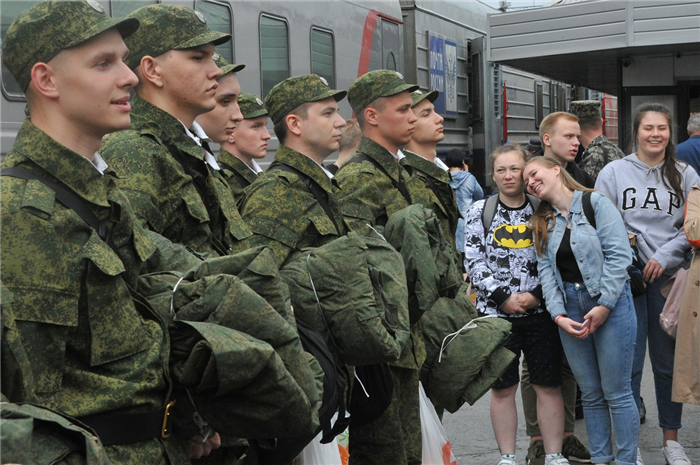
[649, 209]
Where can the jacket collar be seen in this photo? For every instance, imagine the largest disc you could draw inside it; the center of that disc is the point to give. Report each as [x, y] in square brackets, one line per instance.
[373, 150]
[306, 165]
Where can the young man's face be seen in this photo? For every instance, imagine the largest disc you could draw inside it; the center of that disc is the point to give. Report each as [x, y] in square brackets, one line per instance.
[320, 130]
[190, 79]
[429, 129]
[396, 121]
[564, 140]
[250, 139]
[93, 84]
[221, 121]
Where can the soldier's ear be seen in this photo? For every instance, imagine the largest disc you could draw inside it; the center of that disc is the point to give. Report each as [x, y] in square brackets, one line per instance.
[293, 125]
[44, 80]
[150, 71]
[371, 116]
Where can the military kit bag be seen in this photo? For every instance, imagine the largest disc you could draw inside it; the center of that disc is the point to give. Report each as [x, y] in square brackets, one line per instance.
[353, 292]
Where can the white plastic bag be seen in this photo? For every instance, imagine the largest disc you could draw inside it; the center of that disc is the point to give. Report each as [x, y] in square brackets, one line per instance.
[436, 445]
[316, 453]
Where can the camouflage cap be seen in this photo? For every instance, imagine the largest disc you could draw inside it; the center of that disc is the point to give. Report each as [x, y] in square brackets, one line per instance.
[292, 92]
[225, 66]
[585, 109]
[39, 33]
[251, 106]
[169, 27]
[379, 83]
[418, 96]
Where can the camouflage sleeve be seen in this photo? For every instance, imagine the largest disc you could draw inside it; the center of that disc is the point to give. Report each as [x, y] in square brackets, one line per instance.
[593, 161]
[360, 196]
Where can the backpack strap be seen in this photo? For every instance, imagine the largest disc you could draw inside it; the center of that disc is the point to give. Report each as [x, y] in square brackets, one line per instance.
[433, 187]
[491, 205]
[243, 182]
[69, 199]
[360, 157]
[318, 192]
[588, 208]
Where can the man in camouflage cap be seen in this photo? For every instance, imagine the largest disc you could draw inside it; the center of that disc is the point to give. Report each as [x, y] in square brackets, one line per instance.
[77, 340]
[374, 186]
[165, 165]
[430, 177]
[293, 204]
[599, 151]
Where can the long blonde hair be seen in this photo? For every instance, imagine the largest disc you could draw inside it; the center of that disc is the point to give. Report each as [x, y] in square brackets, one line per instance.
[545, 213]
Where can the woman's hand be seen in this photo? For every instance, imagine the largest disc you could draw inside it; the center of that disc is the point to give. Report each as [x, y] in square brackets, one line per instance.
[572, 328]
[597, 315]
[512, 305]
[196, 449]
[652, 270]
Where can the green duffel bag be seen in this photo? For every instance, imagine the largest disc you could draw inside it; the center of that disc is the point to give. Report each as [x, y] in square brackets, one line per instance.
[353, 292]
[33, 434]
[465, 353]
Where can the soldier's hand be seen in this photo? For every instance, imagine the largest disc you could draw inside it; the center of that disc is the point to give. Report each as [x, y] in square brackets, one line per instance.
[196, 449]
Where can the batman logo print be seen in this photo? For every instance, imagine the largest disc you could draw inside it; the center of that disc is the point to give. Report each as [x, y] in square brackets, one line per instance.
[513, 237]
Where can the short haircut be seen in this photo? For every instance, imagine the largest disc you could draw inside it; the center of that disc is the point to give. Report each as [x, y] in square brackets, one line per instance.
[378, 104]
[455, 158]
[551, 120]
[590, 124]
[350, 134]
[302, 111]
[694, 123]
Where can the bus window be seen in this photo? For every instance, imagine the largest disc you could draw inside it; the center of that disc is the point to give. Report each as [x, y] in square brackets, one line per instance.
[122, 8]
[10, 10]
[220, 19]
[323, 55]
[274, 52]
[391, 44]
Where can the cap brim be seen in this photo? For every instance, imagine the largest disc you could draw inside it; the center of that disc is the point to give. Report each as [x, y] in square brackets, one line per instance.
[430, 96]
[338, 95]
[257, 114]
[208, 37]
[232, 68]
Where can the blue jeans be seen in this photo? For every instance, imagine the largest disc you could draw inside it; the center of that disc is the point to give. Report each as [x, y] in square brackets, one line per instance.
[602, 365]
[661, 351]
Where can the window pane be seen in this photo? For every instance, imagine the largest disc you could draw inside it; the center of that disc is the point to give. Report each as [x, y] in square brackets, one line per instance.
[219, 19]
[10, 10]
[323, 55]
[274, 52]
[122, 8]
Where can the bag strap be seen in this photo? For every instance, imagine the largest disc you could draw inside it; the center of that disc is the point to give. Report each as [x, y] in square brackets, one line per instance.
[588, 208]
[359, 158]
[243, 182]
[433, 187]
[318, 192]
[69, 199]
[491, 205]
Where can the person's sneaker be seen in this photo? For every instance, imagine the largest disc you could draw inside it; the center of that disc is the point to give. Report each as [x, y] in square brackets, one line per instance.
[558, 461]
[674, 454]
[639, 457]
[642, 411]
[573, 449]
[535, 453]
[505, 461]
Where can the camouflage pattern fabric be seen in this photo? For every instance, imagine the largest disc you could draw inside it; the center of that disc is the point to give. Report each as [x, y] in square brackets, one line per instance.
[52, 27]
[395, 437]
[232, 168]
[284, 214]
[445, 207]
[292, 92]
[375, 84]
[251, 106]
[89, 348]
[169, 27]
[585, 109]
[33, 434]
[598, 153]
[227, 67]
[161, 192]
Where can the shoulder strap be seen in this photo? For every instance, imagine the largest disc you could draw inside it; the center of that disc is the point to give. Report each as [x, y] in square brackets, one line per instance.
[397, 184]
[316, 190]
[69, 199]
[588, 208]
[433, 187]
[239, 177]
[489, 211]
[534, 201]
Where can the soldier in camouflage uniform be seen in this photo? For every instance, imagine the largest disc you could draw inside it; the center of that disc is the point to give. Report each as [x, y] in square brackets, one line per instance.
[247, 143]
[293, 205]
[165, 166]
[599, 151]
[374, 186]
[430, 177]
[77, 338]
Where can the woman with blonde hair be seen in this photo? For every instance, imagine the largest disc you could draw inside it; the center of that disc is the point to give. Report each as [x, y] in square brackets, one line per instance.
[582, 266]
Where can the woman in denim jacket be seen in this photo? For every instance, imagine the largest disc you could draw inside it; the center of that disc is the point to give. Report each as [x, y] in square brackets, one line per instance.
[583, 272]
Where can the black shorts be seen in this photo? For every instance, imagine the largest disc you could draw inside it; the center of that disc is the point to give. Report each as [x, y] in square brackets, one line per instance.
[537, 336]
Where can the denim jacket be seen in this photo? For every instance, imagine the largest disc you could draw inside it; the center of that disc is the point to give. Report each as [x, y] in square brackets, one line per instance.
[602, 253]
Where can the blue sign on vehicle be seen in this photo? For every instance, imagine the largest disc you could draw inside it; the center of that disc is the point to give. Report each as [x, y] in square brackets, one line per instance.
[443, 73]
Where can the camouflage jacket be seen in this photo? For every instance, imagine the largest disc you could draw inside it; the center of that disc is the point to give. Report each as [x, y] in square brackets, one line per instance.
[599, 153]
[283, 212]
[430, 187]
[237, 174]
[79, 339]
[369, 196]
[190, 205]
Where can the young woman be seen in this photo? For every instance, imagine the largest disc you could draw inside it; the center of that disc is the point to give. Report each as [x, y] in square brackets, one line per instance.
[502, 266]
[466, 187]
[649, 187]
[583, 271]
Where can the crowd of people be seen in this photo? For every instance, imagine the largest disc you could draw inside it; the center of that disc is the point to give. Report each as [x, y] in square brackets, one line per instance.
[146, 306]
